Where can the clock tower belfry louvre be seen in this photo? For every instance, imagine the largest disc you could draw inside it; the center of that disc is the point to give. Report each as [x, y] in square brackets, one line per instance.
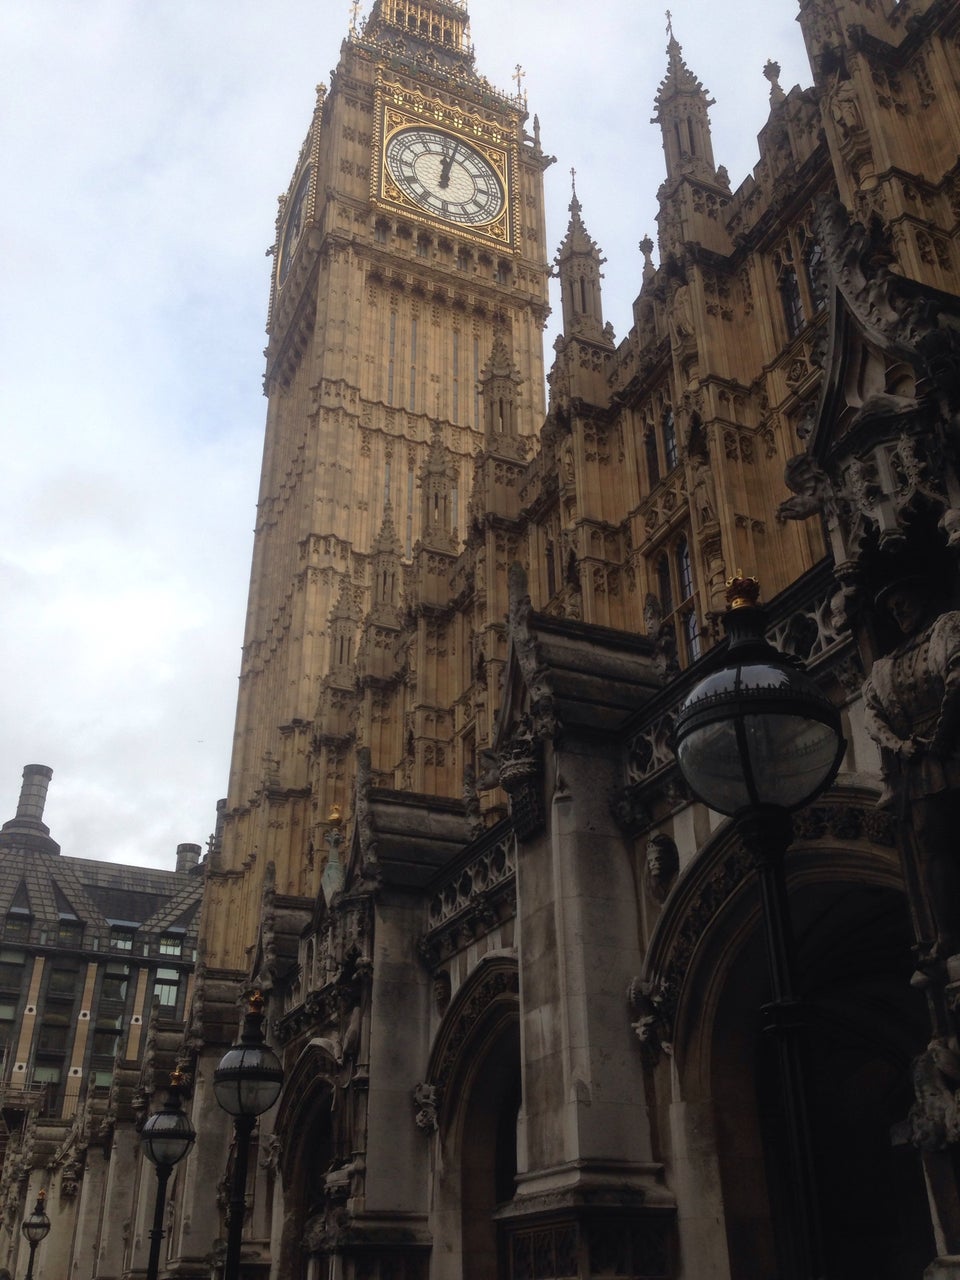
[410, 244]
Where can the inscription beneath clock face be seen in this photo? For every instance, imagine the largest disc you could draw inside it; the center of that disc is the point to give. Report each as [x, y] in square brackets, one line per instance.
[445, 176]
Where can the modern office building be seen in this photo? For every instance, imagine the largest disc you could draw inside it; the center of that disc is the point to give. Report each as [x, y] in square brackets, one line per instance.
[96, 962]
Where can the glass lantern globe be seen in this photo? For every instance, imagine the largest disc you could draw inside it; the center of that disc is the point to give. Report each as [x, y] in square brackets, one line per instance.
[167, 1135]
[36, 1227]
[249, 1077]
[758, 732]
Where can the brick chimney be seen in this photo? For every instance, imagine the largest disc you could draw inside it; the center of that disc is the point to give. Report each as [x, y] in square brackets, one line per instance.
[188, 856]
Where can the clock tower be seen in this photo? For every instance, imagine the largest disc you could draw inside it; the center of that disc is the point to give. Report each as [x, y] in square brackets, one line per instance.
[411, 240]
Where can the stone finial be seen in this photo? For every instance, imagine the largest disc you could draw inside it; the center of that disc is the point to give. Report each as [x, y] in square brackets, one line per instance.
[772, 72]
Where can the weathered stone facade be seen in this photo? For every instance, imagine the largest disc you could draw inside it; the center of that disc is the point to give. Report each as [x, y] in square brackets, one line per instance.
[514, 971]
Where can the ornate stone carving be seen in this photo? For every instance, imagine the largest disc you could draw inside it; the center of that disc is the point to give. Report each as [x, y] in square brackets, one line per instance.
[934, 1119]
[425, 1106]
[912, 700]
[646, 1005]
[662, 863]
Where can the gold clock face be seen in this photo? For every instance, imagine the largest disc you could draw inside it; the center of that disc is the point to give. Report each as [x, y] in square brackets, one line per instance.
[445, 176]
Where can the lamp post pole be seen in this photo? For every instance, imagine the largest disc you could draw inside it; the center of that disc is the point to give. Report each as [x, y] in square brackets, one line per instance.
[166, 1137]
[757, 739]
[35, 1228]
[767, 836]
[246, 1083]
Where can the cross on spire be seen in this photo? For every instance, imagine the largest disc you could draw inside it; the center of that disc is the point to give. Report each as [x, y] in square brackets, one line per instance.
[354, 15]
[669, 24]
[518, 75]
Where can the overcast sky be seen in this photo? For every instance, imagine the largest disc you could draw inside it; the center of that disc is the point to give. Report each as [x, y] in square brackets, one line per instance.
[144, 149]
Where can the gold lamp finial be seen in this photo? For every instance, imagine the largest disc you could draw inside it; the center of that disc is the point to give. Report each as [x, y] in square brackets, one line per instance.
[743, 592]
[333, 817]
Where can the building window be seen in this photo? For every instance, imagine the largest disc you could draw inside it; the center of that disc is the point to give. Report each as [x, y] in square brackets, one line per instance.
[121, 939]
[166, 988]
[669, 428]
[676, 588]
[652, 456]
[789, 289]
[664, 584]
[106, 1037]
[171, 945]
[17, 928]
[11, 969]
[8, 1015]
[815, 268]
[47, 1074]
[114, 987]
[62, 984]
[380, 232]
[54, 1033]
[70, 932]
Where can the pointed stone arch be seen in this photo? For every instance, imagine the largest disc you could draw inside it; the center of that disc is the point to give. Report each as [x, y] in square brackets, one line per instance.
[475, 1071]
[707, 978]
[304, 1130]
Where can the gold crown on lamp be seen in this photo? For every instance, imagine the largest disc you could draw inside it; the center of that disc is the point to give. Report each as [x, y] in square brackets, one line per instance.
[743, 592]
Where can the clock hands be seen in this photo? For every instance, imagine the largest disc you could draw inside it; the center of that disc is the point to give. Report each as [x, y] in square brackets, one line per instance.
[445, 167]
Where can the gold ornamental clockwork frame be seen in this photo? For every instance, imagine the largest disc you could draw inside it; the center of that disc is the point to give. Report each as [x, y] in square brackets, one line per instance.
[445, 164]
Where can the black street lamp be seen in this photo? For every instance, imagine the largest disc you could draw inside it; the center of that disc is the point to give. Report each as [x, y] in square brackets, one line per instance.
[246, 1083]
[166, 1137]
[756, 740]
[35, 1228]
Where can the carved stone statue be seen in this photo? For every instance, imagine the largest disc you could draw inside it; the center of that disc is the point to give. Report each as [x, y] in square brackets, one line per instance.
[912, 700]
[663, 863]
[704, 493]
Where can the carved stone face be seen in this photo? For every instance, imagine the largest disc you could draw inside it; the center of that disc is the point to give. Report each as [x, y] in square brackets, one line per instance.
[663, 863]
[907, 606]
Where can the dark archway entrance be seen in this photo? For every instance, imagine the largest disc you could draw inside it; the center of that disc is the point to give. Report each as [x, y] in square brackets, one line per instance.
[475, 1067]
[489, 1150]
[305, 1128]
[865, 1024]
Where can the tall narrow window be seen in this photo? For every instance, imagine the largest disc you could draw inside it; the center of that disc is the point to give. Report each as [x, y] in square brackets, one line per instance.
[789, 287]
[409, 538]
[664, 585]
[392, 356]
[684, 568]
[653, 457]
[669, 438]
[456, 375]
[814, 266]
[413, 365]
[551, 569]
[477, 412]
